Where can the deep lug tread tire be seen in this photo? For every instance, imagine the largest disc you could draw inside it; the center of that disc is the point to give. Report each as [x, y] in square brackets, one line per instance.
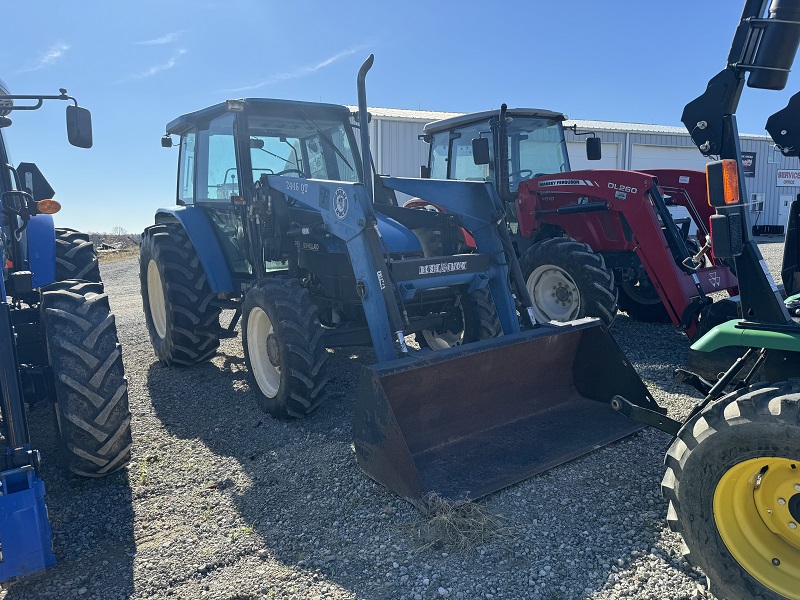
[92, 412]
[756, 422]
[192, 329]
[303, 356]
[76, 257]
[587, 269]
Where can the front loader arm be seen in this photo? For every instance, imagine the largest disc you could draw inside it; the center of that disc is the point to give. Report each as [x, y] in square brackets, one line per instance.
[634, 218]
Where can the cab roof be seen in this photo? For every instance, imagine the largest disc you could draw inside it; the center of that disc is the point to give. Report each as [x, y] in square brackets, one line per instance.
[469, 118]
[282, 108]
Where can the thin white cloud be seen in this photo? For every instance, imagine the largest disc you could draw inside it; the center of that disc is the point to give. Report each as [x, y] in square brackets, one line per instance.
[160, 41]
[50, 56]
[297, 73]
[154, 70]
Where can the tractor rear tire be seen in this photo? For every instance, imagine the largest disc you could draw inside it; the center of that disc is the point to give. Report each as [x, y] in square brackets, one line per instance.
[641, 301]
[733, 485]
[567, 281]
[75, 256]
[183, 324]
[479, 318]
[91, 392]
[283, 348]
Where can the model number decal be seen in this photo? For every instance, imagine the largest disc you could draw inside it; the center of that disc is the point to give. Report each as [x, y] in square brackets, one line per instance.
[622, 188]
[381, 282]
[296, 186]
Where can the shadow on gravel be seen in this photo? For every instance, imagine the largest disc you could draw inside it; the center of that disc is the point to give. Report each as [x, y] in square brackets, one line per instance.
[297, 487]
[92, 522]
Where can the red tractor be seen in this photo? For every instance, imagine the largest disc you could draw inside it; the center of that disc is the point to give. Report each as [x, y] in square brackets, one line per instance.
[590, 240]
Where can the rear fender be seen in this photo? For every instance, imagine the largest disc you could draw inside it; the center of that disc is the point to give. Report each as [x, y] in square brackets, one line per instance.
[41, 238]
[728, 334]
[204, 239]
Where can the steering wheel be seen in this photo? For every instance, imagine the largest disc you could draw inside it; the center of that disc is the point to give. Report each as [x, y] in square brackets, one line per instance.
[298, 171]
[521, 174]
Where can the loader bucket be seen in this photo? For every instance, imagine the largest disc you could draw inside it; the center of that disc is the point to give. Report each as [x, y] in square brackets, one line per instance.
[470, 420]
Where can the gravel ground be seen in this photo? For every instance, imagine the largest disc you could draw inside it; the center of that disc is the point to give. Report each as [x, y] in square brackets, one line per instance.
[220, 501]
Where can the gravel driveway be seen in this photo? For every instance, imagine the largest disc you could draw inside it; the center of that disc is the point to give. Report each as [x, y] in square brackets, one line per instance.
[220, 501]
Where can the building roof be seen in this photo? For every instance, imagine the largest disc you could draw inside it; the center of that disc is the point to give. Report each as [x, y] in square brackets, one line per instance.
[428, 116]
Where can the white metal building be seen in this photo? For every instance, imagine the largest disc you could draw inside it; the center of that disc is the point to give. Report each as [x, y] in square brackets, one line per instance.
[775, 180]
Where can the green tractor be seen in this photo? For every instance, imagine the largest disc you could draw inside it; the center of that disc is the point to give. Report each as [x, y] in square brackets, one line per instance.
[733, 468]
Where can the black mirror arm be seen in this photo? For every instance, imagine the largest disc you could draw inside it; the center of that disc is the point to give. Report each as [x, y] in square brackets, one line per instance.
[39, 100]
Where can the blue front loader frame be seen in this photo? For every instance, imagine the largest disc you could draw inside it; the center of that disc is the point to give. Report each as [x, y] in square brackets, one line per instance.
[348, 215]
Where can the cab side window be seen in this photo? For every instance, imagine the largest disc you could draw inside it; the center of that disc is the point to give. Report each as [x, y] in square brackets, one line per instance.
[186, 169]
[217, 176]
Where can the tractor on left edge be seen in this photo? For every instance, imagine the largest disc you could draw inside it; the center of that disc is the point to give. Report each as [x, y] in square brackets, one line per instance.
[58, 343]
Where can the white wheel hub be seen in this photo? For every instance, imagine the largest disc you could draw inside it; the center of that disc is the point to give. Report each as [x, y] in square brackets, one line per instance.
[267, 374]
[155, 296]
[440, 340]
[554, 293]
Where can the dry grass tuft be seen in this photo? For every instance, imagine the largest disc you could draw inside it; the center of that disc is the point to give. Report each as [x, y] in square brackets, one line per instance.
[460, 526]
[107, 256]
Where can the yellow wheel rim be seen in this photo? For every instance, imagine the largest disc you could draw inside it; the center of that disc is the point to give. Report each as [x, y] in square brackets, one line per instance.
[757, 512]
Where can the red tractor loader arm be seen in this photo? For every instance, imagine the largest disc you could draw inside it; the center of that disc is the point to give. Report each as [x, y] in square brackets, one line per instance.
[620, 212]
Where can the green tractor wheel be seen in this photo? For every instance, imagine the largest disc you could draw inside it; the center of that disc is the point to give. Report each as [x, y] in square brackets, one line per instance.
[733, 482]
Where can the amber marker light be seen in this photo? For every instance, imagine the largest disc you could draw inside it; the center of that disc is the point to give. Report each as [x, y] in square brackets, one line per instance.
[722, 178]
[48, 207]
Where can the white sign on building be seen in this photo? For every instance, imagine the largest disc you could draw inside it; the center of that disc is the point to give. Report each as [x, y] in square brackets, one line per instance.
[788, 178]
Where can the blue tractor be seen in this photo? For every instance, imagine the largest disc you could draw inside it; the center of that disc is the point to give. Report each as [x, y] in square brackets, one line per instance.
[58, 343]
[279, 218]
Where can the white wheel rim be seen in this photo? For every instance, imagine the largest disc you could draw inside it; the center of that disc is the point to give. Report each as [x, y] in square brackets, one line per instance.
[155, 297]
[554, 293]
[440, 341]
[446, 339]
[267, 375]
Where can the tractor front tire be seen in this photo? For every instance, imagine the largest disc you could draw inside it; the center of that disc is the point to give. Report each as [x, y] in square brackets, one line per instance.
[567, 281]
[641, 301]
[733, 485]
[478, 318]
[182, 322]
[75, 256]
[91, 392]
[283, 348]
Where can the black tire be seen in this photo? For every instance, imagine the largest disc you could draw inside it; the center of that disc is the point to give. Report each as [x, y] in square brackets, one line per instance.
[641, 301]
[92, 413]
[574, 268]
[747, 440]
[290, 339]
[478, 320]
[75, 256]
[182, 323]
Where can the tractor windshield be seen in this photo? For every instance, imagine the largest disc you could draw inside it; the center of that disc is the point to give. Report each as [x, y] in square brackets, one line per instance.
[316, 149]
[535, 146]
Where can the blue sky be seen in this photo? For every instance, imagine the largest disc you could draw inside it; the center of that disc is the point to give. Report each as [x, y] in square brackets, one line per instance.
[137, 65]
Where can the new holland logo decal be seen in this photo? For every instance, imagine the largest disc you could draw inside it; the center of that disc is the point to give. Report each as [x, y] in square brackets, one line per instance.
[340, 203]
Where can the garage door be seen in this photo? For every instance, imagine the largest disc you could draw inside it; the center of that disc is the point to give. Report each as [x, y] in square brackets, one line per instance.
[578, 160]
[667, 157]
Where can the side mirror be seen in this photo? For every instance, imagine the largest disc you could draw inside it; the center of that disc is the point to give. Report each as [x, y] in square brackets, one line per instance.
[34, 182]
[777, 47]
[594, 148]
[480, 151]
[258, 143]
[424, 172]
[79, 126]
[166, 141]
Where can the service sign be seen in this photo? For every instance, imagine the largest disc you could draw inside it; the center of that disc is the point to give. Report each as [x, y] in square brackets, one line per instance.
[788, 178]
